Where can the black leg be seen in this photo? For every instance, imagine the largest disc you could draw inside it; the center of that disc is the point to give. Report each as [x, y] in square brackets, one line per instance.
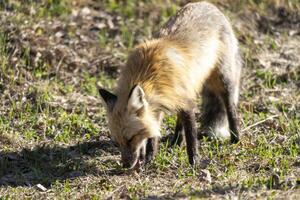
[232, 117]
[178, 133]
[151, 148]
[189, 125]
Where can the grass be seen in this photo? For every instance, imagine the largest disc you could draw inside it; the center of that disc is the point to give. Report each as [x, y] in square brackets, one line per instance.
[53, 129]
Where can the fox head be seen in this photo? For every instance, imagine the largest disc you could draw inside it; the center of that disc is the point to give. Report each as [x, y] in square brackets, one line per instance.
[131, 122]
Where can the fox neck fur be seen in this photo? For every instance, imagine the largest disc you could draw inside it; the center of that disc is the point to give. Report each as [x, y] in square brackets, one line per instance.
[171, 72]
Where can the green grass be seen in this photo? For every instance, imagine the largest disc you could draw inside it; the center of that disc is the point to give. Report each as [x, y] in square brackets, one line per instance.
[53, 129]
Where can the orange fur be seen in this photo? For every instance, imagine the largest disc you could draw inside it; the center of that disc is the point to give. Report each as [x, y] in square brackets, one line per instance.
[166, 82]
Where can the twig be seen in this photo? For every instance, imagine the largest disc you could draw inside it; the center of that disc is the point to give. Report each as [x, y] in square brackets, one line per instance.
[112, 193]
[59, 65]
[260, 122]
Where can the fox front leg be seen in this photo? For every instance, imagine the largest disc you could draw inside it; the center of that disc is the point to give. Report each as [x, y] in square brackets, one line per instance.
[151, 148]
[190, 130]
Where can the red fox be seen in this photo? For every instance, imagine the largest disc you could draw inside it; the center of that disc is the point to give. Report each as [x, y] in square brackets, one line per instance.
[195, 52]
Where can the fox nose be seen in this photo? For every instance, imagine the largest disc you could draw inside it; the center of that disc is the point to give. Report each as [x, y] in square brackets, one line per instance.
[126, 159]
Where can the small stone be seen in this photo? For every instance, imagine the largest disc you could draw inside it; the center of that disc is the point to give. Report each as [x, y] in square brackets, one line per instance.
[32, 11]
[205, 176]
[85, 11]
[41, 187]
[59, 34]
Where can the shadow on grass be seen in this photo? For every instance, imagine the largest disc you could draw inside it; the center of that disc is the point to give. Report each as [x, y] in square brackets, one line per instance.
[202, 194]
[50, 163]
[47, 164]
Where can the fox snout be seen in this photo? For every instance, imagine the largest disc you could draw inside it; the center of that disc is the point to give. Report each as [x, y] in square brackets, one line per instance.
[128, 159]
[133, 160]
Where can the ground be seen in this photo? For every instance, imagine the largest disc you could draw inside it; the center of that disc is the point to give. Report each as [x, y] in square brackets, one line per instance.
[54, 141]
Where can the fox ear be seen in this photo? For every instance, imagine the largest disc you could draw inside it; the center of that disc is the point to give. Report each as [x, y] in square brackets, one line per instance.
[108, 98]
[136, 98]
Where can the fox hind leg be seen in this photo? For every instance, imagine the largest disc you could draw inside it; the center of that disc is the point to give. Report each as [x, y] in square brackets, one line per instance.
[230, 101]
[220, 98]
[230, 77]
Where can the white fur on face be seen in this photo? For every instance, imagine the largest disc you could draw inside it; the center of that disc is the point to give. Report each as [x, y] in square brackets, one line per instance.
[124, 126]
[152, 124]
[129, 126]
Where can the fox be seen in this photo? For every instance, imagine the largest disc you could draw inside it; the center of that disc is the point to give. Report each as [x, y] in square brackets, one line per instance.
[194, 54]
